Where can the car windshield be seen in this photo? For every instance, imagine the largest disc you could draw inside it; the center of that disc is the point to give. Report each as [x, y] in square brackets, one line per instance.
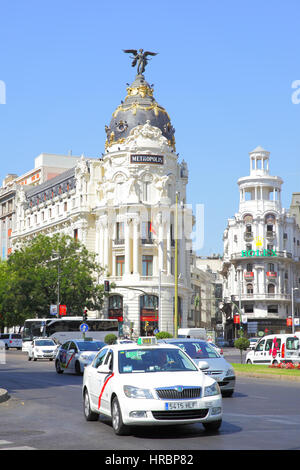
[90, 345]
[154, 360]
[45, 342]
[197, 349]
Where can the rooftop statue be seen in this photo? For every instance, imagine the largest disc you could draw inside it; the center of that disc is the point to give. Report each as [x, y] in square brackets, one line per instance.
[139, 58]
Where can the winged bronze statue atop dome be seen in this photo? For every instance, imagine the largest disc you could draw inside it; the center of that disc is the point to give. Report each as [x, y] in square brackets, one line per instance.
[139, 58]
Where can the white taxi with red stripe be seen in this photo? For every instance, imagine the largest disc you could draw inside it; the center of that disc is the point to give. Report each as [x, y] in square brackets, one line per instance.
[74, 355]
[146, 383]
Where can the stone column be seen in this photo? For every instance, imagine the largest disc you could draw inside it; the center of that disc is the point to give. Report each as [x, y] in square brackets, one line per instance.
[136, 242]
[160, 242]
[127, 247]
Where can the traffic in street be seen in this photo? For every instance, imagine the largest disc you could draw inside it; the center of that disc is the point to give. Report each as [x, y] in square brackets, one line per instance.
[45, 412]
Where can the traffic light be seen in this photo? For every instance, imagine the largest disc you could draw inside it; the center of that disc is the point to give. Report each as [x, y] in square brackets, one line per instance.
[106, 286]
[84, 315]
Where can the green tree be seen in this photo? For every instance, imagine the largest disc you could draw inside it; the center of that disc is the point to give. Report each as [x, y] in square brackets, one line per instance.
[163, 335]
[33, 272]
[242, 344]
[110, 339]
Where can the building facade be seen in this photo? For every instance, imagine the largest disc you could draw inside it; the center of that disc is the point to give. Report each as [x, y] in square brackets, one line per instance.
[261, 253]
[123, 207]
[46, 167]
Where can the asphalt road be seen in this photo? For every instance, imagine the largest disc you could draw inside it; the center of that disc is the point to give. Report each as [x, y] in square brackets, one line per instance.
[45, 412]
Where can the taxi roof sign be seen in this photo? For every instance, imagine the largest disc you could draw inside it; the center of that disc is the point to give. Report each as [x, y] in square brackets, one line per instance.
[146, 340]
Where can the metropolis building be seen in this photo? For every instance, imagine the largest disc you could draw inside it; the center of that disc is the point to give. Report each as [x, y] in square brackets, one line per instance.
[123, 208]
[261, 266]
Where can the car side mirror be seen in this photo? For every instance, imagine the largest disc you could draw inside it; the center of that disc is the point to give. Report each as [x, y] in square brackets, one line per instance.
[203, 365]
[103, 369]
[71, 351]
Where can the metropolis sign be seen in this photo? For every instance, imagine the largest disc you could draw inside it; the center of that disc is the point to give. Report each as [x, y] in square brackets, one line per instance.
[153, 159]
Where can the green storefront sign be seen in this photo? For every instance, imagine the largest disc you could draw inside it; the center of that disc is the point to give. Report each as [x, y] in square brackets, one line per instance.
[265, 253]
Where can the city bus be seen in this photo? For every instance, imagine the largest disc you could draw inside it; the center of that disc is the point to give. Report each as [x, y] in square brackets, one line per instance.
[63, 329]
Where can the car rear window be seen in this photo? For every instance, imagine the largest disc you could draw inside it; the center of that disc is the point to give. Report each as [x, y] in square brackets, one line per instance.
[15, 336]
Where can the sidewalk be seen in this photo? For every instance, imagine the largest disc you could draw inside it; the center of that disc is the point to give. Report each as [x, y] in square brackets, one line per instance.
[258, 375]
[3, 395]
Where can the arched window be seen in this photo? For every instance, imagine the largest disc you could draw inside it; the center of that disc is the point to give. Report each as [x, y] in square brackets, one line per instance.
[115, 301]
[271, 288]
[249, 289]
[115, 307]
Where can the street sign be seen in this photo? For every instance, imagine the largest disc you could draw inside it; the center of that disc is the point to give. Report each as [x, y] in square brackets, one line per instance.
[244, 319]
[63, 310]
[156, 331]
[296, 321]
[84, 327]
[53, 309]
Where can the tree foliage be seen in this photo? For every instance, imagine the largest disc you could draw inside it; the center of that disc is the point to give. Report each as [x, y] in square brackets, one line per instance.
[163, 335]
[30, 278]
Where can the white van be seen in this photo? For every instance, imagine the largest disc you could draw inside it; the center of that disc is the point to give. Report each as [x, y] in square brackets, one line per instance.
[199, 333]
[273, 349]
[11, 340]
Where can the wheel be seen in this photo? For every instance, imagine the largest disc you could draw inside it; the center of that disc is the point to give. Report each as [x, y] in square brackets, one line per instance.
[117, 422]
[88, 413]
[213, 425]
[248, 362]
[227, 393]
[29, 358]
[275, 363]
[51, 359]
[77, 368]
[57, 367]
[6, 347]
[34, 358]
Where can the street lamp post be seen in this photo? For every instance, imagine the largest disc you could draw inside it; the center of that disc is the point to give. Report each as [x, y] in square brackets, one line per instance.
[58, 280]
[293, 315]
[176, 270]
[159, 301]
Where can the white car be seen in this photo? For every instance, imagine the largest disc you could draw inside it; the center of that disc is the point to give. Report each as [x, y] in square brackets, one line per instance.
[11, 340]
[42, 348]
[149, 384]
[199, 351]
[253, 342]
[74, 356]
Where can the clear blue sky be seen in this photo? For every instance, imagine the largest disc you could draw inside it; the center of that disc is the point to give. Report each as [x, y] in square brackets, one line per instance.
[224, 73]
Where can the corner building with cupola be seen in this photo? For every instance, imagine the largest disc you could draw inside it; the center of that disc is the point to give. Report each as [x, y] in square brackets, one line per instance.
[123, 207]
[261, 254]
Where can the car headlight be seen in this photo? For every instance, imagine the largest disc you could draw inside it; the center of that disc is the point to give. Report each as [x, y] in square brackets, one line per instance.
[230, 372]
[135, 392]
[213, 389]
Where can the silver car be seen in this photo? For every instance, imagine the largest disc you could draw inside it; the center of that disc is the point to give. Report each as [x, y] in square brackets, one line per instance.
[200, 351]
[75, 354]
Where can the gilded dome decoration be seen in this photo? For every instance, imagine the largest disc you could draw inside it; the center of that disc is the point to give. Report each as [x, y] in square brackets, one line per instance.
[138, 107]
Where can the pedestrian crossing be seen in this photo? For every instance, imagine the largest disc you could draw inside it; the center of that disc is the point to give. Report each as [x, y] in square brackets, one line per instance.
[8, 445]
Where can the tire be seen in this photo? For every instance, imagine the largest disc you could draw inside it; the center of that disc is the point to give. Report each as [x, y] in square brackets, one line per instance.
[77, 368]
[212, 426]
[119, 427]
[57, 367]
[51, 359]
[29, 358]
[227, 393]
[275, 363]
[248, 362]
[34, 358]
[88, 413]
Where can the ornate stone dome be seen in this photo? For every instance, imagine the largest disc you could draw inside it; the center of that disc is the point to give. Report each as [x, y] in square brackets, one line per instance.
[138, 108]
